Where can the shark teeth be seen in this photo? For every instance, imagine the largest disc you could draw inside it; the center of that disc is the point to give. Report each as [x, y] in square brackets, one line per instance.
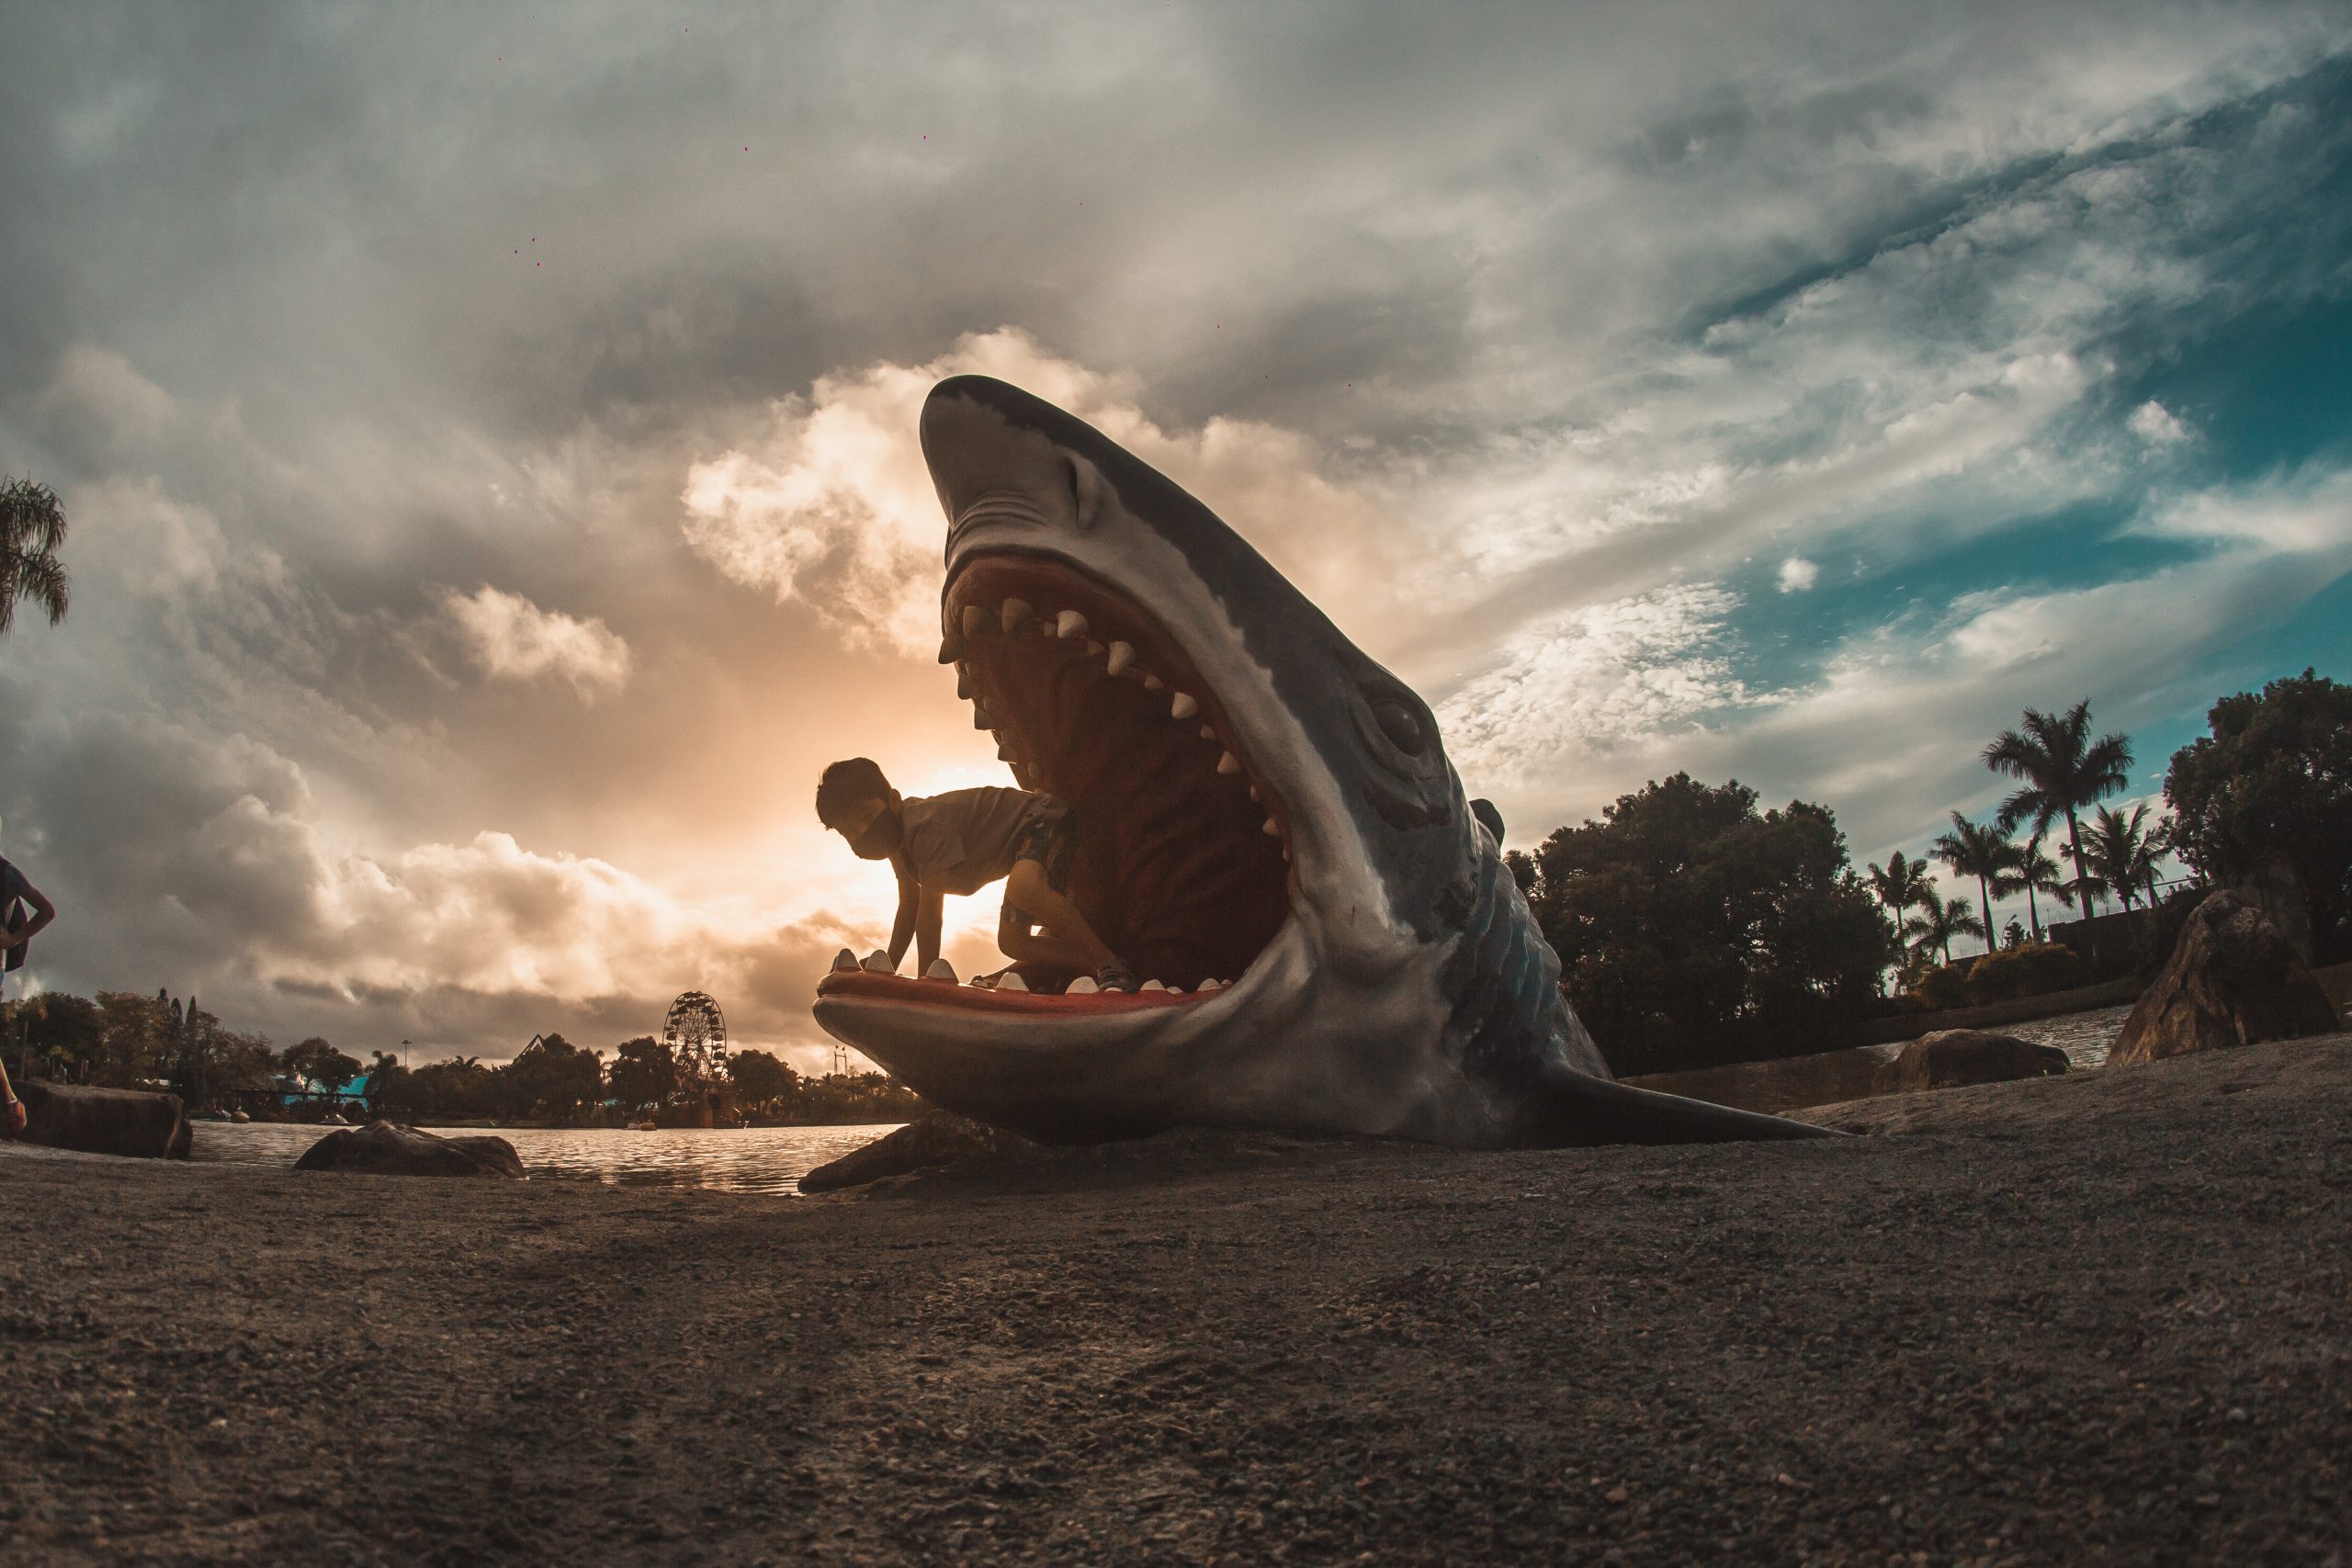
[878, 963]
[940, 970]
[844, 959]
[981, 642]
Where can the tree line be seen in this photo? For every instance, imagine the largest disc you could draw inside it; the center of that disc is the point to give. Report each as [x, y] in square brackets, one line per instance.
[552, 1080]
[1695, 929]
[128, 1040]
[2062, 772]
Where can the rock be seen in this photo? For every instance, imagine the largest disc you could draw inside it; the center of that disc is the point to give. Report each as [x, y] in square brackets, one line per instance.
[2232, 979]
[2275, 890]
[1953, 1058]
[936, 1139]
[103, 1121]
[380, 1148]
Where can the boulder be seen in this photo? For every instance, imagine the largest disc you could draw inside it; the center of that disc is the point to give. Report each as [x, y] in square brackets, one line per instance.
[133, 1122]
[1952, 1059]
[2234, 978]
[381, 1149]
[939, 1138]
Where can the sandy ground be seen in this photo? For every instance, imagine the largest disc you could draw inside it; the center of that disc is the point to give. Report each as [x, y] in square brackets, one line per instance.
[2097, 1319]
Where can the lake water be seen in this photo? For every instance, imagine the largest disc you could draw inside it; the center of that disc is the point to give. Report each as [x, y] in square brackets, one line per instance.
[1796, 1083]
[735, 1159]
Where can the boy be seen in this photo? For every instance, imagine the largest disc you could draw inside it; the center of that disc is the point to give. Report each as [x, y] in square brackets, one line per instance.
[959, 843]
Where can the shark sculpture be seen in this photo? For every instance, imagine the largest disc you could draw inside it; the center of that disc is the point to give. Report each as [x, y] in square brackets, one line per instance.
[1269, 827]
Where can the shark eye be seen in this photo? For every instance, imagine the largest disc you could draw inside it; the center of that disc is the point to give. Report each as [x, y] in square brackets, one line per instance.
[1398, 723]
[1409, 784]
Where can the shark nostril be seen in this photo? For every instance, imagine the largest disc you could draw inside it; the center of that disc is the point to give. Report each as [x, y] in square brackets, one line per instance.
[1085, 492]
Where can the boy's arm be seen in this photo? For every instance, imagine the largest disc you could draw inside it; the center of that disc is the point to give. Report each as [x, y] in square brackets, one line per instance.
[43, 912]
[927, 914]
[902, 929]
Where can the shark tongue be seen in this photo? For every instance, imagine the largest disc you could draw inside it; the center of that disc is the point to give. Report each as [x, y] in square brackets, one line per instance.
[1172, 869]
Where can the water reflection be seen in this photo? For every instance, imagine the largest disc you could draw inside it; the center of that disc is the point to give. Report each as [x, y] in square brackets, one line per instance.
[742, 1159]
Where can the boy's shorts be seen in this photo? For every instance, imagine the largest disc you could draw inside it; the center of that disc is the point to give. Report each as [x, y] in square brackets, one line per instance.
[1051, 839]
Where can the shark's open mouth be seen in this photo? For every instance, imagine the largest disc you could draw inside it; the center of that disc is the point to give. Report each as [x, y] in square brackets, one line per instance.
[1182, 842]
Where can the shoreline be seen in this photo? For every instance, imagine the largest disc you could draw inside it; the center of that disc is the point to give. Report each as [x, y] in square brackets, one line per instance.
[2097, 1318]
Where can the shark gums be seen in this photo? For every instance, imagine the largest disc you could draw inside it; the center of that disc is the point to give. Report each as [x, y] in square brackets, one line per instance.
[1267, 827]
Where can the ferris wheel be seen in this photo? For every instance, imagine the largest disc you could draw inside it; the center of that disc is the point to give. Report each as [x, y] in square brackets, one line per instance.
[695, 1032]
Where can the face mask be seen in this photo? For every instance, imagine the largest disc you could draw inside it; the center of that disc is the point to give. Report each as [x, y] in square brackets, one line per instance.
[882, 836]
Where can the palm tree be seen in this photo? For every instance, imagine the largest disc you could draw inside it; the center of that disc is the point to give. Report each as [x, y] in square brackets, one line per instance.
[2039, 874]
[2063, 770]
[1932, 929]
[1899, 882]
[1986, 854]
[2123, 853]
[32, 527]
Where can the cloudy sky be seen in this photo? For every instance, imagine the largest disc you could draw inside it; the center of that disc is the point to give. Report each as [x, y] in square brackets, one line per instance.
[488, 431]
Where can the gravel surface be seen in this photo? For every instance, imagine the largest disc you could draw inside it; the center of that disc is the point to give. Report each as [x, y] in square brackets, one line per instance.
[2100, 1318]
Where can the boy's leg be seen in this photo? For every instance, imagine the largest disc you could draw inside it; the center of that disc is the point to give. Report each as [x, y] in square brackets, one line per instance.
[1073, 941]
[1023, 945]
[1044, 948]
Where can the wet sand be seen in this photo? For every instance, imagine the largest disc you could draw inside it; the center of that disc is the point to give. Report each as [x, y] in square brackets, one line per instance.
[2103, 1318]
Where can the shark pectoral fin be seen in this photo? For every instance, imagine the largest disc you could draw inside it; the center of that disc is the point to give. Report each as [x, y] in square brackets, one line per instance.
[1566, 1109]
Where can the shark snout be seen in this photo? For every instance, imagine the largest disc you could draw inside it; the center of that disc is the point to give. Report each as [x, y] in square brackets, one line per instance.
[997, 472]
